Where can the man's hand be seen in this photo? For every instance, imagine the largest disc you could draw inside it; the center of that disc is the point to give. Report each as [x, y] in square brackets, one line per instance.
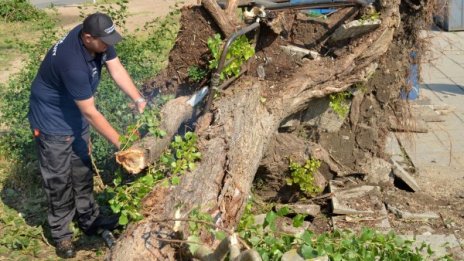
[141, 104]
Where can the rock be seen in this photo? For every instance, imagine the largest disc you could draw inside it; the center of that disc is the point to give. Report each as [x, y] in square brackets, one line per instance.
[366, 137]
[305, 209]
[259, 219]
[292, 255]
[320, 115]
[412, 216]
[285, 225]
[354, 29]
[300, 53]
[377, 171]
[399, 172]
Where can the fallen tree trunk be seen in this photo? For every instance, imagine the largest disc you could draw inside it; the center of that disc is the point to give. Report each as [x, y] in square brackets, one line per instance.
[239, 133]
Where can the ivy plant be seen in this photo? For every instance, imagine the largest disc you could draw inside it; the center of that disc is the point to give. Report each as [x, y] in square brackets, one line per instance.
[339, 103]
[303, 175]
[126, 198]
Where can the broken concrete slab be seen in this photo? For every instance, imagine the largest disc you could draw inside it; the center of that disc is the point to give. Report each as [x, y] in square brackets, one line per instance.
[441, 245]
[361, 205]
[305, 209]
[354, 29]
[402, 174]
[377, 171]
[355, 200]
[412, 216]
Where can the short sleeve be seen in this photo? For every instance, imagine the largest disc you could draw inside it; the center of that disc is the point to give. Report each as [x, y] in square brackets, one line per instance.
[110, 53]
[76, 82]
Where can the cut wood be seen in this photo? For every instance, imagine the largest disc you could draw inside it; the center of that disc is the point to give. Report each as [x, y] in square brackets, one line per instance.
[147, 151]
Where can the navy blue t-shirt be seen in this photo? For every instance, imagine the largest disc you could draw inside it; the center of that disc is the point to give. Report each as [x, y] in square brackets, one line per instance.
[67, 74]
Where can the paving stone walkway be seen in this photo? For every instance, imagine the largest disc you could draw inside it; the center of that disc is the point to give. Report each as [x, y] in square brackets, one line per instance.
[438, 155]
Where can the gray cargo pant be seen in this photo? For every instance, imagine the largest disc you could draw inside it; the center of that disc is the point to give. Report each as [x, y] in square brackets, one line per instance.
[66, 170]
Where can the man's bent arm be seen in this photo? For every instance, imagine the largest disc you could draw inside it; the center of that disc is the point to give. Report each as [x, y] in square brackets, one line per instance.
[98, 121]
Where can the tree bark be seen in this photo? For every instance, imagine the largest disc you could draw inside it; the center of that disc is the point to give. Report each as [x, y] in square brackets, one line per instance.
[240, 132]
[225, 23]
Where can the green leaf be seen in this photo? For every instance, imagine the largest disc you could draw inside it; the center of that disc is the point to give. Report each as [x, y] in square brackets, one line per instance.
[175, 180]
[298, 220]
[191, 165]
[220, 235]
[307, 251]
[283, 211]
[193, 247]
[116, 208]
[123, 220]
[270, 220]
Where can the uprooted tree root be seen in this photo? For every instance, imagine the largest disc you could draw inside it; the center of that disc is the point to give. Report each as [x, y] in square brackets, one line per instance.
[235, 135]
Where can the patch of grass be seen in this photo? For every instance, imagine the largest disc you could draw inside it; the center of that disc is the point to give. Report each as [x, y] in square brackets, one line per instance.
[19, 10]
[23, 204]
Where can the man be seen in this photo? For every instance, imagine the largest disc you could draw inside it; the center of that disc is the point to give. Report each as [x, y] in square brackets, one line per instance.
[62, 106]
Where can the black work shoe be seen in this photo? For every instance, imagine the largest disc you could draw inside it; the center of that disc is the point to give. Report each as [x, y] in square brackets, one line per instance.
[65, 249]
[103, 223]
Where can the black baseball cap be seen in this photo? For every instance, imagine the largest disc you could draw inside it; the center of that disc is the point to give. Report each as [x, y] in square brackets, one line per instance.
[100, 25]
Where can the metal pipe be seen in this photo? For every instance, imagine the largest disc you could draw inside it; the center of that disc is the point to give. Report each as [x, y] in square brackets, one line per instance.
[231, 39]
[317, 4]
